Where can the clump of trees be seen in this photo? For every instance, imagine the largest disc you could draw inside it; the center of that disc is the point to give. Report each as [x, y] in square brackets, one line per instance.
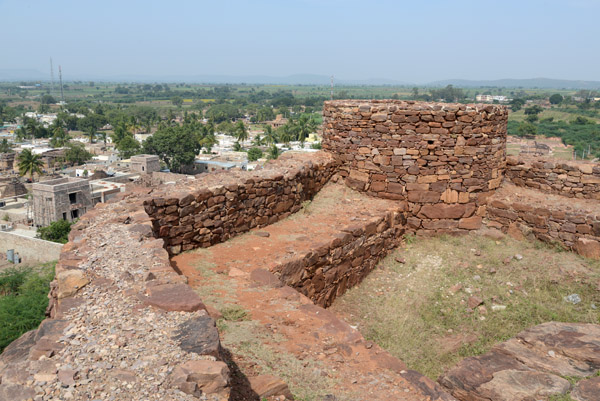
[448, 94]
[177, 145]
[582, 133]
[254, 154]
[23, 300]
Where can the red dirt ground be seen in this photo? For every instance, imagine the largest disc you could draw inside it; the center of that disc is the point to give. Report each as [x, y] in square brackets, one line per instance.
[360, 370]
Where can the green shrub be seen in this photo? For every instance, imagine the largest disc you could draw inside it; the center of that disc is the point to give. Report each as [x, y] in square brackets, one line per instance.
[23, 300]
[254, 154]
[57, 231]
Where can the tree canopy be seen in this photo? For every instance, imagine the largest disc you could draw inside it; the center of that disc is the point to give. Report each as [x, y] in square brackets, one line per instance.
[177, 146]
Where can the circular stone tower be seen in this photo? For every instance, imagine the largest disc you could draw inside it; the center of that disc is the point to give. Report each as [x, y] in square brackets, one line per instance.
[447, 155]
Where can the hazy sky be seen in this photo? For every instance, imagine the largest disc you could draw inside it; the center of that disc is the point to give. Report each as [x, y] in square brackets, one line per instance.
[413, 41]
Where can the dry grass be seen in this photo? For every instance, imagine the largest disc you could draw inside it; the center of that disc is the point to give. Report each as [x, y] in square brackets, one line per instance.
[418, 310]
[252, 342]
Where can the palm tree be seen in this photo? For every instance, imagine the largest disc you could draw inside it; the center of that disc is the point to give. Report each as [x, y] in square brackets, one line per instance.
[273, 152]
[103, 136]
[59, 136]
[29, 163]
[270, 135]
[241, 133]
[31, 128]
[285, 133]
[305, 126]
[5, 147]
[258, 141]
[91, 133]
[209, 141]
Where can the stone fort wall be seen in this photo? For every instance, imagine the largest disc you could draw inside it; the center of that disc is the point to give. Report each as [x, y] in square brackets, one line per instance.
[572, 179]
[441, 160]
[215, 207]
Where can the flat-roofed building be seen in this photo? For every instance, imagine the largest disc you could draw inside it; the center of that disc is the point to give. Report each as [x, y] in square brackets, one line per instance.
[60, 199]
[145, 164]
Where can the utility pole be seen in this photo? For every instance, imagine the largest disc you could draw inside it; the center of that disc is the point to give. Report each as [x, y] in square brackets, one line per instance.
[62, 95]
[52, 74]
[332, 87]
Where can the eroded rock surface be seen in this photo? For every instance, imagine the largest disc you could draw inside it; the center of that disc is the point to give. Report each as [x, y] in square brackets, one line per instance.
[531, 365]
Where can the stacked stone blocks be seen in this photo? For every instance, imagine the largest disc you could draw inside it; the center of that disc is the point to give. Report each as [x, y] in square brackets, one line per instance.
[441, 161]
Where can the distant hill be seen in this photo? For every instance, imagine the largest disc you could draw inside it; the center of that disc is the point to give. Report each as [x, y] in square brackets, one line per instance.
[541, 83]
[303, 79]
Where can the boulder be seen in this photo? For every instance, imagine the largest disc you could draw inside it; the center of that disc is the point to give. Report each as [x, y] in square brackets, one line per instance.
[587, 390]
[202, 377]
[199, 335]
[267, 386]
[173, 297]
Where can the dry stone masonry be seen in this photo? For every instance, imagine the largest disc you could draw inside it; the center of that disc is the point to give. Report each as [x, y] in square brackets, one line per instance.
[220, 205]
[572, 179]
[441, 160]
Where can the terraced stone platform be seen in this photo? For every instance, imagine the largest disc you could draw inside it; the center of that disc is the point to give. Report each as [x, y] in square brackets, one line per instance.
[249, 272]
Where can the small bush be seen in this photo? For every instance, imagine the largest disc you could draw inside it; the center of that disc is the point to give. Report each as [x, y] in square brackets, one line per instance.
[23, 301]
[57, 231]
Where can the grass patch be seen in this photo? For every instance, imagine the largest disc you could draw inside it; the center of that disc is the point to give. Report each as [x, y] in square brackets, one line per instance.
[234, 313]
[23, 300]
[419, 311]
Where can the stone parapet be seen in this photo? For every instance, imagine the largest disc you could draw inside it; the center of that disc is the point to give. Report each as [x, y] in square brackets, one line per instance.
[217, 206]
[551, 218]
[571, 179]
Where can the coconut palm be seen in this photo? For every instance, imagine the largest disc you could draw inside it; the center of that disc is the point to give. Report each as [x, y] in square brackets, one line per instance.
[60, 137]
[304, 127]
[91, 134]
[209, 141]
[31, 128]
[240, 131]
[285, 133]
[270, 135]
[273, 152]
[103, 135]
[258, 141]
[29, 163]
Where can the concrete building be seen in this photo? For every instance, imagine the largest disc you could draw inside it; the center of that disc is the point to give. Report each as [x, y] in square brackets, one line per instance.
[145, 164]
[207, 166]
[60, 199]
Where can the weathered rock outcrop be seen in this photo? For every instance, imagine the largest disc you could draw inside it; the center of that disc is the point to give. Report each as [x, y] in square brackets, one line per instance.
[532, 366]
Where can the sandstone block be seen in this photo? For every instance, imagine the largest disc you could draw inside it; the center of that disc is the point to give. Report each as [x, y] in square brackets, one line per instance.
[173, 297]
[447, 211]
[268, 386]
[588, 248]
[470, 223]
[203, 378]
[70, 281]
